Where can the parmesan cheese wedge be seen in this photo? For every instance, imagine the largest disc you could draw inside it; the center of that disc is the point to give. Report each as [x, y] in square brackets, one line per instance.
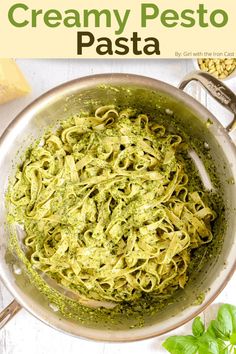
[12, 82]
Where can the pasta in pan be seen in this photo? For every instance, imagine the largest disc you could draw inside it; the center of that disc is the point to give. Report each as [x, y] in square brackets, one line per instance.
[107, 209]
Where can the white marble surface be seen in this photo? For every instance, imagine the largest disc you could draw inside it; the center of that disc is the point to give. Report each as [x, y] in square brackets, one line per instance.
[25, 334]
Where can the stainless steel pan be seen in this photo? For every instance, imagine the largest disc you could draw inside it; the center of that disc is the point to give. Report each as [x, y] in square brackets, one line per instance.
[147, 93]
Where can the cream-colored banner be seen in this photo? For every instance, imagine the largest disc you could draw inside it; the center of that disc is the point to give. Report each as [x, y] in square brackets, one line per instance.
[117, 28]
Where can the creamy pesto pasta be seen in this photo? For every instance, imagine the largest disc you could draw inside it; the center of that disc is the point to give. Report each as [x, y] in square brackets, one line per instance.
[107, 209]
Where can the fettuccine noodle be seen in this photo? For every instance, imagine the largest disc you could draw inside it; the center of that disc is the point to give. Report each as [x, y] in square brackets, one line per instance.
[106, 207]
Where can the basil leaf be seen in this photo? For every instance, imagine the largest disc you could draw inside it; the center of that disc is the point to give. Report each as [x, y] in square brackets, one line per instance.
[220, 330]
[233, 339]
[210, 330]
[227, 319]
[208, 345]
[223, 346]
[215, 340]
[232, 310]
[181, 345]
[198, 327]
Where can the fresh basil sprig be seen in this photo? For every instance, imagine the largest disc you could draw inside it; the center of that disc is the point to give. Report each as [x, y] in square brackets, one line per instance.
[218, 338]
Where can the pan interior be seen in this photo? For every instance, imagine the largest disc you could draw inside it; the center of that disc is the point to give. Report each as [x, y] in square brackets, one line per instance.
[202, 132]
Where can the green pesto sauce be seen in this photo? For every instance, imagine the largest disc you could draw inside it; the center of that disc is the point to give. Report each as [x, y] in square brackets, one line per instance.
[131, 315]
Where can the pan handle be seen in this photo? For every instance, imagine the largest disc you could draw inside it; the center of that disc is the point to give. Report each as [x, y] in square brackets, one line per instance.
[217, 89]
[9, 312]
